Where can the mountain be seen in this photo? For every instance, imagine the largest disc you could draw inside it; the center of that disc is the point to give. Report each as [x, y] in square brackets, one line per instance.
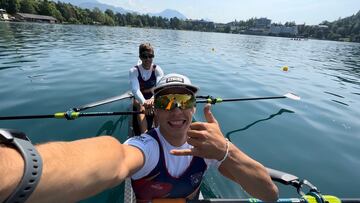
[90, 4]
[104, 7]
[169, 13]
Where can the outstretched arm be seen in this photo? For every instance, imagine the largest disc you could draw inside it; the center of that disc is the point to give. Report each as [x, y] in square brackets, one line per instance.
[209, 142]
[72, 171]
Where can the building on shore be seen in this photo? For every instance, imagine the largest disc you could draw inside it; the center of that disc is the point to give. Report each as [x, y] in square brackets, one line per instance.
[282, 30]
[4, 15]
[262, 23]
[35, 18]
[262, 27]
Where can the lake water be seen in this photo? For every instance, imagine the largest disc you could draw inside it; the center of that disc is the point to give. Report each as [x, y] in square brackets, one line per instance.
[52, 68]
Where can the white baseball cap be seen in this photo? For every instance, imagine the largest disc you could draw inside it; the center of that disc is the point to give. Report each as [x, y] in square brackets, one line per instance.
[174, 80]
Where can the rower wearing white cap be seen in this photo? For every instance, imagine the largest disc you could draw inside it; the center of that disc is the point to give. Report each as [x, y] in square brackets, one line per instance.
[172, 158]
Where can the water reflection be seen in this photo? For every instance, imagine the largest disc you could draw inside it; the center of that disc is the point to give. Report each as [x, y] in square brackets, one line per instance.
[84, 62]
[339, 96]
[281, 111]
[336, 95]
[109, 127]
[339, 102]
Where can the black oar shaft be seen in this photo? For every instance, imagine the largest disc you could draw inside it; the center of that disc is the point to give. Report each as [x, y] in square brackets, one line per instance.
[71, 115]
[26, 117]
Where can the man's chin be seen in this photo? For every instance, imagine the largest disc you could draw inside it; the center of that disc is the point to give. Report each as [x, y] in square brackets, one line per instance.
[177, 124]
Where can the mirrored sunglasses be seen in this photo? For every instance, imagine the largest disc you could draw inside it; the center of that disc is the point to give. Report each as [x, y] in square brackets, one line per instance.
[171, 101]
[147, 56]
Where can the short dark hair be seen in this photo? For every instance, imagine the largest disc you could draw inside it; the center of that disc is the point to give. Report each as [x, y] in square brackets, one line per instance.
[145, 47]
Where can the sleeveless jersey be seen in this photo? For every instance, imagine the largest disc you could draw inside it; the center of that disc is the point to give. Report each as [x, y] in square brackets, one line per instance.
[148, 84]
[160, 184]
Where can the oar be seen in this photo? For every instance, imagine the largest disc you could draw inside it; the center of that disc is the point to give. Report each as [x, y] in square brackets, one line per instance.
[312, 195]
[212, 100]
[289, 179]
[126, 95]
[70, 115]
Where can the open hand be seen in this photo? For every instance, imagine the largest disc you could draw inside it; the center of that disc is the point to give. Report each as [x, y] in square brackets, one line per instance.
[206, 138]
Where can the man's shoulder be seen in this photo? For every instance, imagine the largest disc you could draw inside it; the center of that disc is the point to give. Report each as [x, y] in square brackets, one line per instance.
[156, 66]
[158, 70]
[133, 72]
[134, 68]
[143, 139]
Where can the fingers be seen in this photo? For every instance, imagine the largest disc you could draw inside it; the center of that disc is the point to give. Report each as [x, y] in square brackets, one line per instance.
[148, 106]
[182, 152]
[149, 111]
[149, 103]
[208, 115]
[196, 142]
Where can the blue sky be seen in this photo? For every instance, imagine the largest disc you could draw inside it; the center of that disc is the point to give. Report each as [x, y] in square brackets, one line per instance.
[300, 11]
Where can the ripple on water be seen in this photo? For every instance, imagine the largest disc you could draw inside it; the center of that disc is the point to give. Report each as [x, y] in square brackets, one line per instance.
[48, 68]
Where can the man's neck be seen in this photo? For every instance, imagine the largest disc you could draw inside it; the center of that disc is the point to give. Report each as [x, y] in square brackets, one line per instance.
[145, 67]
[175, 139]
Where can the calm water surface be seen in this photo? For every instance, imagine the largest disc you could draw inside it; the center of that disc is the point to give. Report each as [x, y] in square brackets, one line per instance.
[52, 68]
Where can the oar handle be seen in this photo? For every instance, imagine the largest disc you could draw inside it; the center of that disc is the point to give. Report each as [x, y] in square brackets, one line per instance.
[289, 179]
[282, 177]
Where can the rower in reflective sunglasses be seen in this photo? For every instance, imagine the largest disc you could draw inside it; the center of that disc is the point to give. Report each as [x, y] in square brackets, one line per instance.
[147, 56]
[171, 101]
[176, 154]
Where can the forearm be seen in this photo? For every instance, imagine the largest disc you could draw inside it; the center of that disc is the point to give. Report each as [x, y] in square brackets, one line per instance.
[250, 174]
[139, 96]
[12, 169]
[135, 86]
[71, 170]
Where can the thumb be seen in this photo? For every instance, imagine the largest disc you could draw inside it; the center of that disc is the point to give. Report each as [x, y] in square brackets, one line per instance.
[208, 115]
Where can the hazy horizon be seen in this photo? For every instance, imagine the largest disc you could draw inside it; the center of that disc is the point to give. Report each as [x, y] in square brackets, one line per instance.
[279, 11]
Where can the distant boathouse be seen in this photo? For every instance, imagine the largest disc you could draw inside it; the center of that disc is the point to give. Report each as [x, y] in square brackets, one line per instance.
[35, 18]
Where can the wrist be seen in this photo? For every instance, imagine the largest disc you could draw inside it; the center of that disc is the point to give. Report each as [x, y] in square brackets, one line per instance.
[14, 165]
[226, 154]
[32, 168]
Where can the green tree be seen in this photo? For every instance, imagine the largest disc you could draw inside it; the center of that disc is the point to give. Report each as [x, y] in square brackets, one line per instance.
[108, 20]
[11, 6]
[110, 13]
[153, 22]
[175, 23]
[227, 29]
[68, 12]
[137, 22]
[28, 6]
[130, 18]
[121, 19]
[97, 16]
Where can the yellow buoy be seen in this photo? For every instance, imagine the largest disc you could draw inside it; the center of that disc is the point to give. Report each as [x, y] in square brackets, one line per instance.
[285, 68]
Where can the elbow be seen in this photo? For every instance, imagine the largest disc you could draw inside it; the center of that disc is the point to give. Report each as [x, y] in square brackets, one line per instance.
[275, 193]
[266, 190]
[272, 193]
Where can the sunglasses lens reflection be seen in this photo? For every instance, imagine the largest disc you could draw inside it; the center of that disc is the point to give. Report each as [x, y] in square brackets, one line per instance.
[171, 101]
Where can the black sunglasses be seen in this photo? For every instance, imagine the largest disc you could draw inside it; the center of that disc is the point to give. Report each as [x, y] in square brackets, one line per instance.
[147, 56]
